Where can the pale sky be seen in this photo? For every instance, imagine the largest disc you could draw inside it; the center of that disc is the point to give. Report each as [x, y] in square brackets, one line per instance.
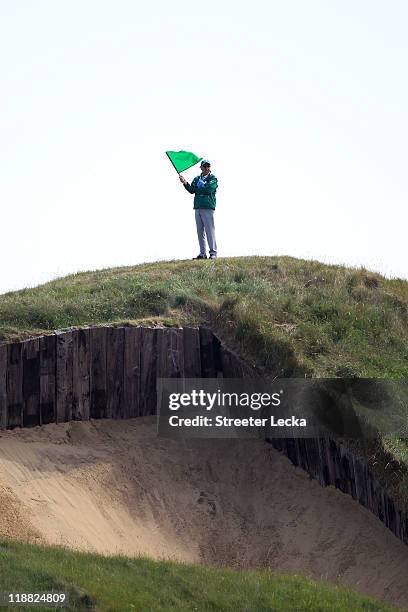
[302, 107]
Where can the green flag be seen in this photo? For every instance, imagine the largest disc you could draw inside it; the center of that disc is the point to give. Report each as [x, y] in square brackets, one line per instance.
[182, 160]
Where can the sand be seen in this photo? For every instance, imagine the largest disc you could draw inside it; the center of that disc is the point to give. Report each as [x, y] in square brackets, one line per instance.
[114, 487]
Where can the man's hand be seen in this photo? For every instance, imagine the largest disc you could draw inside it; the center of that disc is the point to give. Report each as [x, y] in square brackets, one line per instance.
[182, 179]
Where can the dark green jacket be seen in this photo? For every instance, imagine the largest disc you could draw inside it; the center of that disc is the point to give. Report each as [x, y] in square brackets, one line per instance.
[204, 197]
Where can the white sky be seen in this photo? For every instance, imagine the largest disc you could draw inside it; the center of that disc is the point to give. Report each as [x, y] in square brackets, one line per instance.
[301, 106]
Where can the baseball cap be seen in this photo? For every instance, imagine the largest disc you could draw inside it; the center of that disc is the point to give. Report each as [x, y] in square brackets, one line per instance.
[204, 162]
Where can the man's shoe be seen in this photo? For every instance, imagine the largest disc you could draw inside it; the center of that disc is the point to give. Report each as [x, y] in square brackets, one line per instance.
[200, 257]
[213, 257]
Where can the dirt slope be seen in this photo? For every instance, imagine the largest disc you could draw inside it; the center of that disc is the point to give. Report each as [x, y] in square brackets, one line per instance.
[113, 486]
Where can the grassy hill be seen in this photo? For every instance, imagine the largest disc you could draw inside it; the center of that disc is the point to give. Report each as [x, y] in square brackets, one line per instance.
[121, 583]
[285, 315]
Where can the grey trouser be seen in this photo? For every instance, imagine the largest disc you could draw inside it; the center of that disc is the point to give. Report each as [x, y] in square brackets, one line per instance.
[205, 227]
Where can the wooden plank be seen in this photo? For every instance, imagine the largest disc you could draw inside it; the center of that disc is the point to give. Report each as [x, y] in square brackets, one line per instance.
[131, 369]
[177, 354]
[48, 370]
[81, 375]
[170, 357]
[170, 353]
[114, 365]
[331, 469]
[216, 351]
[98, 373]
[210, 349]
[227, 360]
[192, 355]
[315, 458]
[14, 385]
[148, 370]
[31, 383]
[3, 386]
[64, 376]
[208, 368]
[163, 353]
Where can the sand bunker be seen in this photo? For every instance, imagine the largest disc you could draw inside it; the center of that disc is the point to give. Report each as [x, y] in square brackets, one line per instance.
[114, 487]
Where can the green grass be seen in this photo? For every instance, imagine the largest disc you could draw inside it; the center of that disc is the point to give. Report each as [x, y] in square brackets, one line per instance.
[285, 315]
[121, 583]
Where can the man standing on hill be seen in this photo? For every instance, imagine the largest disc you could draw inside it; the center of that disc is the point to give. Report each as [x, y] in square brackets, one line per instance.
[204, 188]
